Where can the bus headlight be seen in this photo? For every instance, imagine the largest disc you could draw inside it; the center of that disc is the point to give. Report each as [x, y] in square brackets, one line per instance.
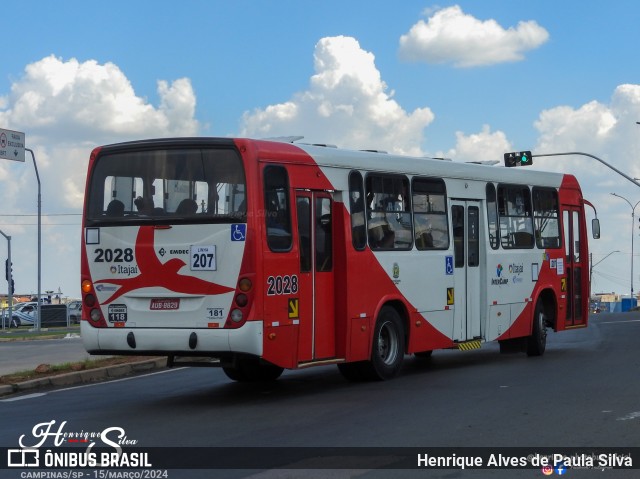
[236, 315]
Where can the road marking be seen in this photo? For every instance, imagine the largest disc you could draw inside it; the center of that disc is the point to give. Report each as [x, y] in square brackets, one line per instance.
[108, 381]
[20, 398]
[633, 415]
[621, 322]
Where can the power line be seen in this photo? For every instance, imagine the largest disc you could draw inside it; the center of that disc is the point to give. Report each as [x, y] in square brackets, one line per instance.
[43, 214]
[44, 224]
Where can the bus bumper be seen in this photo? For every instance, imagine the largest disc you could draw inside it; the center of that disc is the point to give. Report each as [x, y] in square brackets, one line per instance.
[157, 341]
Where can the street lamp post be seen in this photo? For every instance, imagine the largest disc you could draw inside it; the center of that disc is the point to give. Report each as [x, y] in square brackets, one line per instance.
[633, 214]
[9, 282]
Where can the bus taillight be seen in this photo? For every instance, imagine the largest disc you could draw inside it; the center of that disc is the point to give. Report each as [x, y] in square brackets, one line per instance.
[86, 286]
[241, 304]
[89, 300]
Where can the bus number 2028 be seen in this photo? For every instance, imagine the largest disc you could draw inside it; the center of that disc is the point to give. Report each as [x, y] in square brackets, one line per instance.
[114, 255]
[282, 285]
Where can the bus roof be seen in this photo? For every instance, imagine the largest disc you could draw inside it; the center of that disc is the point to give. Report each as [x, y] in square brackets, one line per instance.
[365, 160]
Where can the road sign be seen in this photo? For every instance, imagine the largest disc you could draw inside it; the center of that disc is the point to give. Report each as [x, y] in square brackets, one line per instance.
[11, 145]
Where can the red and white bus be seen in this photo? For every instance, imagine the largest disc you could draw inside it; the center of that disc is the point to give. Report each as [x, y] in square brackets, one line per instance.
[264, 255]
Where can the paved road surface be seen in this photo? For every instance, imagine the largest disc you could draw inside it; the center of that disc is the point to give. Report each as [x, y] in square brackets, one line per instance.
[26, 355]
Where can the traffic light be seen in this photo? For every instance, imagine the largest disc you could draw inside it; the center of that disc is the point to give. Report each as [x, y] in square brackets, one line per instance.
[7, 269]
[12, 287]
[518, 158]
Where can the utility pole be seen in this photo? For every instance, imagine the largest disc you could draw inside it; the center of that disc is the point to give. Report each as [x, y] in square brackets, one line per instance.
[9, 279]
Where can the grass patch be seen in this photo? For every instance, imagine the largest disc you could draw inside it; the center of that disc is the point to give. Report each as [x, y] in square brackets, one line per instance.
[24, 333]
[46, 370]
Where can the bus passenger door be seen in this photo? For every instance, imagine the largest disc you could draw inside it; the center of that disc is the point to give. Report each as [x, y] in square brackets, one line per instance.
[465, 216]
[316, 289]
[574, 267]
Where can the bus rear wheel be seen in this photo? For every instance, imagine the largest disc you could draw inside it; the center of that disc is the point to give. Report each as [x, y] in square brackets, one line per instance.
[252, 370]
[387, 352]
[537, 342]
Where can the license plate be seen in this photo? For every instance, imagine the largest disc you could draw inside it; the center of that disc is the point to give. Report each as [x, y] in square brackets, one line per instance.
[162, 304]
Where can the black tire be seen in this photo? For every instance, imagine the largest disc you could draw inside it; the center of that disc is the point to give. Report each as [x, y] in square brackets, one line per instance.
[537, 342]
[387, 352]
[252, 370]
[234, 373]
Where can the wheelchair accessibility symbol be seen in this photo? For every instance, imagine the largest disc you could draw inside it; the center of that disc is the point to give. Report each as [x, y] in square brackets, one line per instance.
[238, 232]
[448, 264]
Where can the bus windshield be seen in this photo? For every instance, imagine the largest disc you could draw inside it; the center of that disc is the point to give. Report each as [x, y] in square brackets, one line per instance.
[180, 184]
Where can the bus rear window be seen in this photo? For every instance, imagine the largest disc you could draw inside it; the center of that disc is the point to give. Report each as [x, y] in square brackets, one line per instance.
[176, 184]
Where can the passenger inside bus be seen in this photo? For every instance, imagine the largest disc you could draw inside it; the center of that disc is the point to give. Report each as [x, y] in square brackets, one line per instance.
[144, 205]
[115, 208]
[187, 207]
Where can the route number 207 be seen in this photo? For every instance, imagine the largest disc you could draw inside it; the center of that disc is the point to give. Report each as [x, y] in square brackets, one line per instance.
[282, 285]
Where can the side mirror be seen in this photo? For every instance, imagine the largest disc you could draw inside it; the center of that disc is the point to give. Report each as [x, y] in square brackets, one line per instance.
[595, 228]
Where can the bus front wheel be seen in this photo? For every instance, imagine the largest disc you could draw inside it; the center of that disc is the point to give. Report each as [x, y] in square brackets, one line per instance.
[388, 345]
[537, 342]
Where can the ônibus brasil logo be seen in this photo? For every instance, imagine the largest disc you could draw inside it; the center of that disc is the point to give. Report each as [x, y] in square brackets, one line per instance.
[113, 438]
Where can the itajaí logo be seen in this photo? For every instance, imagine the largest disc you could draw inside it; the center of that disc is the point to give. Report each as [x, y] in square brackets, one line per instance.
[499, 280]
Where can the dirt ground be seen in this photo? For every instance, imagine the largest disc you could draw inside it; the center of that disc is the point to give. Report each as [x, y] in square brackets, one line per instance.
[47, 370]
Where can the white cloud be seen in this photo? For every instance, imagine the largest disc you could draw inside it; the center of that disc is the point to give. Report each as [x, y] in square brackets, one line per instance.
[608, 131]
[73, 101]
[347, 103]
[65, 109]
[482, 146]
[451, 36]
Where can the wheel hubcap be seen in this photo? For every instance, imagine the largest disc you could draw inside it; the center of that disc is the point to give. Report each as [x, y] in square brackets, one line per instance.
[388, 343]
[543, 327]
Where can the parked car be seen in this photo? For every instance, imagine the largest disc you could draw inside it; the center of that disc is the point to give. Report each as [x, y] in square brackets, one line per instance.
[74, 310]
[25, 313]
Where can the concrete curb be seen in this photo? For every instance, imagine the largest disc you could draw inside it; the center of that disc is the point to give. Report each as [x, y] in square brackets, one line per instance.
[86, 376]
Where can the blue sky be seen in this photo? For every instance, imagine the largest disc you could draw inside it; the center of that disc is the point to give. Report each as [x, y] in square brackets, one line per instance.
[466, 80]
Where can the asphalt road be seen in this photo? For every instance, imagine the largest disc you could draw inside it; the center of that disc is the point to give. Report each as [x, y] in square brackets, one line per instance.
[582, 393]
[27, 355]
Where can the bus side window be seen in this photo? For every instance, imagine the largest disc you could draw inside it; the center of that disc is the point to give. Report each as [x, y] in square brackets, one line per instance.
[356, 204]
[516, 219]
[388, 212]
[546, 217]
[304, 233]
[430, 226]
[492, 216]
[277, 210]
